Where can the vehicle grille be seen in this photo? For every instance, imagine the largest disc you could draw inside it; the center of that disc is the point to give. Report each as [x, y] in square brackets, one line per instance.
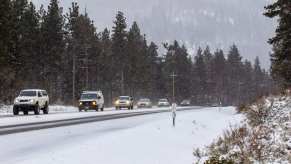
[23, 101]
[87, 103]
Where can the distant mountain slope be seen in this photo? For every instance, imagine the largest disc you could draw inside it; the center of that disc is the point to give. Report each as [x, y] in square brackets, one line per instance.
[218, 23]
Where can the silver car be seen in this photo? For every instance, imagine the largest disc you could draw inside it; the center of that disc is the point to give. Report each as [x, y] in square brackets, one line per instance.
[144, 103]
[163, 103]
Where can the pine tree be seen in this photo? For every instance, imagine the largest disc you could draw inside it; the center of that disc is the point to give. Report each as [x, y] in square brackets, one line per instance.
[207, 57]
[15, 54]
[5, 30]
[18, 9]
[144, 68]
[70, 65]
[258, 77]
[119, 51]
[234, 67]
[248, 85]
[155, 75]
[280, 59]
[84, 51]
[29, 47]
[139, 59]
[5, 14]
[109, 70]
[218, 74]
[52, 49]
[177, 61]
[200, 77]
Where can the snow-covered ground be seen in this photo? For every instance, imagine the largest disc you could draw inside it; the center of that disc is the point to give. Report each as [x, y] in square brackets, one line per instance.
[264, 136]
[7, 109]
[143, 139]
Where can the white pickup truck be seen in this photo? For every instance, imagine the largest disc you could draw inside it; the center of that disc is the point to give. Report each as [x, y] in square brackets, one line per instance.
[31, 100]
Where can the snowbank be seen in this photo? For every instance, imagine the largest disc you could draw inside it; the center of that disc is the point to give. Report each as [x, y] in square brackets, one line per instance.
[7, 109]
[264, 136]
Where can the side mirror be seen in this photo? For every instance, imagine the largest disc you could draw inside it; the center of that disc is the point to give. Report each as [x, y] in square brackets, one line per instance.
[99, 97]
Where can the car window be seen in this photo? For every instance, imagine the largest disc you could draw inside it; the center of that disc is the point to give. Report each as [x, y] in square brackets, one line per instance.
[124, 98]
[144, 100]
[39, 94]
[88, 96]
[44, 93]
[28, 93]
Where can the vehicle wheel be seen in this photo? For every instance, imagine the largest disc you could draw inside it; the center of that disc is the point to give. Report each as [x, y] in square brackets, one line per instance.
[102, 108]
[25, 112]
[15, 110]
[80, 110]
[46, 109]
[36, 109]
[131, 107]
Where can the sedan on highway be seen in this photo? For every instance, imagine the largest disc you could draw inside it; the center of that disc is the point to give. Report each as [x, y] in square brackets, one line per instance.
[163, 103]
[124, 102]
[185, 102]
[144, 103]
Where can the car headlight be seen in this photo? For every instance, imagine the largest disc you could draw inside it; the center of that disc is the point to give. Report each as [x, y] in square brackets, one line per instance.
[31, 101]
[117, 102]
[16, 101]
[127, 102]
[80, 103]
[94, 103]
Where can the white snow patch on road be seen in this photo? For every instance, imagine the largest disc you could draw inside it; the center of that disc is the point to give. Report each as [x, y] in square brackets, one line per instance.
[143, 140]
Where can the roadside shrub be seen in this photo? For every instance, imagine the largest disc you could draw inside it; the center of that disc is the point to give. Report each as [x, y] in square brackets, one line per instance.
[198, 154]
[258, 113]
[241, 108]
[218, 160]
[264, 137]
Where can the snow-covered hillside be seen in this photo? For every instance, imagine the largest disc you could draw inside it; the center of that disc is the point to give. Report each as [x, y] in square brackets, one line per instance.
[264, 137]
[194, 22]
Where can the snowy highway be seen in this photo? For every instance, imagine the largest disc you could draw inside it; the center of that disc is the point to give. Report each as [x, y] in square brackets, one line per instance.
[17, 124]
[139, 139]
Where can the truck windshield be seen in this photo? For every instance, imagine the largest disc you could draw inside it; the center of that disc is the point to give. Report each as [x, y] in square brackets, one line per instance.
[28, 93]
[124, 98]
[144, 100]
[88, 96]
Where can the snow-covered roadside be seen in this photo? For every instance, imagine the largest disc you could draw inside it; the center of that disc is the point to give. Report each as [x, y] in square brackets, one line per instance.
[7, 109]
[143, 140]
[263, 137]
